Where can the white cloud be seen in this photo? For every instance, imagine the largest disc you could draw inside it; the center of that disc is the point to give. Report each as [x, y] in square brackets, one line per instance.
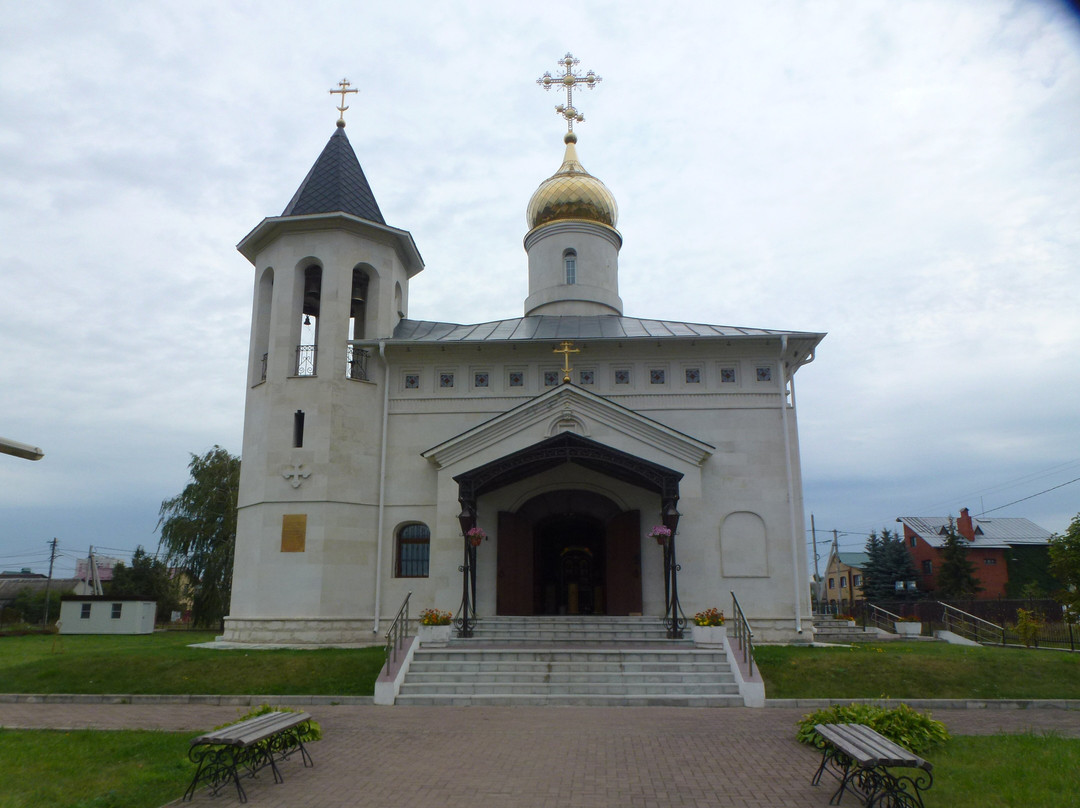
[902, 176]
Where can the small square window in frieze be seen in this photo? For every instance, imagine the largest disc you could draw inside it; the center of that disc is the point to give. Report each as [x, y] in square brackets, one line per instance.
[412, 381]
[480, 380]
[764, 374]
[727, 376]
[446, 380]
[693, 375]
[551, 378]
[622, 376]
[517, 378]
[657, 376]
[586, 376]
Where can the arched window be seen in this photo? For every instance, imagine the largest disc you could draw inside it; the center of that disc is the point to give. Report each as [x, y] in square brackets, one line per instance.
[413, 551]
[358, 304]
[309, 321]
[262, 326]
[570, 264]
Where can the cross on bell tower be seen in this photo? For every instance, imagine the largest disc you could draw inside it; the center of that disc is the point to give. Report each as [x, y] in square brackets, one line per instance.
[343, 91]
[568, 79]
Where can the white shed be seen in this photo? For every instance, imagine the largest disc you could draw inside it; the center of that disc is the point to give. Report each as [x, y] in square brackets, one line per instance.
[102, 614]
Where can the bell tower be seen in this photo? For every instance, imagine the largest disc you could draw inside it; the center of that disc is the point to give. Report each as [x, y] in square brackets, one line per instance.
[331, 281]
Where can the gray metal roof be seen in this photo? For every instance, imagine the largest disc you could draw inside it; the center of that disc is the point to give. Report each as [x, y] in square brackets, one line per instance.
[336, 183]
[857, 560]
[570, 327]
[997, 533]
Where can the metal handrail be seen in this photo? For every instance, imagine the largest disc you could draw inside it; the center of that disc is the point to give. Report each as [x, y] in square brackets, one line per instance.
[879, 618]
[743, 635]
[952, 617]
[398, 631]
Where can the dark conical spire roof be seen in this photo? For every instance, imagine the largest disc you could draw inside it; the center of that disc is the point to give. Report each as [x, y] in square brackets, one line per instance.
[336, 183]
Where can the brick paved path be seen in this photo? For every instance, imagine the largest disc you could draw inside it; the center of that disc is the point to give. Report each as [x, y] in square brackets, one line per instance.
[487, 757]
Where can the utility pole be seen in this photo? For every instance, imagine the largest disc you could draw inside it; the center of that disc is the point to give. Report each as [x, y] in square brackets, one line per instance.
[48, 583]
[817, 576]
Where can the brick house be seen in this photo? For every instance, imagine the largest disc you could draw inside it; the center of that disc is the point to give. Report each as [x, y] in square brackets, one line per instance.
[995, 546]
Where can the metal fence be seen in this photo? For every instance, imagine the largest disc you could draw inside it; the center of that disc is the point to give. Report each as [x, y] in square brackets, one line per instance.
[1045, 627]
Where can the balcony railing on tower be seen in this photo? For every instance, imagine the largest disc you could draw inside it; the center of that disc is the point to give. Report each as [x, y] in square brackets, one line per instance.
[305, 360]
[356, 367]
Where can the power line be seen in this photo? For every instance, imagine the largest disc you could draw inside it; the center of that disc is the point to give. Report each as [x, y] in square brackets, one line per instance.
[1024, 499]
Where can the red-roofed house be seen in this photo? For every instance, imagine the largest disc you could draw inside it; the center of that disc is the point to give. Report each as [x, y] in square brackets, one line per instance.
[992, 543]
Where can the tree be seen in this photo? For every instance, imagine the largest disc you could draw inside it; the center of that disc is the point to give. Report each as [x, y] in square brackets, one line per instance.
[1065, 564]
[149, 578]
[888, 563]
[956, 578]
[198, 533]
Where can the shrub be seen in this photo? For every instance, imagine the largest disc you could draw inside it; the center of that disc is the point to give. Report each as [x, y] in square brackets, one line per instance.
[312, 733]
[915, 731]
[1028, 625]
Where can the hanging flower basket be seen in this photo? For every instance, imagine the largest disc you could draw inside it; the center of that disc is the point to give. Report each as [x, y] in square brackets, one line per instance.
[475, 536]
[661, 533]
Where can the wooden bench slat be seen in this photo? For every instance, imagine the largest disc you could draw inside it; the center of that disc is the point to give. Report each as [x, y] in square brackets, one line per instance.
[869, 748]
[253, 730]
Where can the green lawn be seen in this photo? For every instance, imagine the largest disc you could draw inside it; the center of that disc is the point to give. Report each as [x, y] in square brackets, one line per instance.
[164, 663]
[1005, 771]
[92, 769]
[918, 670]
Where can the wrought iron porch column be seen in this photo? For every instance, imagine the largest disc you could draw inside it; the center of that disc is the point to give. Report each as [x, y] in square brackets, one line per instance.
[674, 618]
[466, 616]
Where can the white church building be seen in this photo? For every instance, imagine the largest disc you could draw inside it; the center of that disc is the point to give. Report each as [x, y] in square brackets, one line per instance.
[374, 441]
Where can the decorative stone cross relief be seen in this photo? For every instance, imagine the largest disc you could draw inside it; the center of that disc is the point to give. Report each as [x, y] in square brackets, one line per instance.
[295, 474]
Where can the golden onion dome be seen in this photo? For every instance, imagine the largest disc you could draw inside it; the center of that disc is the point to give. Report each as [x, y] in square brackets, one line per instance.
[572, 193]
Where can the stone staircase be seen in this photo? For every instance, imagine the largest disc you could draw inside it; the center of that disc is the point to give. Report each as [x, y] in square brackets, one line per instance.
[581, 661]
[842, 632]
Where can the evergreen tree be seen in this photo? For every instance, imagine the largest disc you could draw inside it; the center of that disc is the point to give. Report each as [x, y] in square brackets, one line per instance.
[149, 578]
[198, 533]
[888, 563]
[956, 577]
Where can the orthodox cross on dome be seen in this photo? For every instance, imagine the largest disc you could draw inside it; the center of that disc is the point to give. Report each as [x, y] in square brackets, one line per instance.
[565, 349]
[343, 91]
[567, 80]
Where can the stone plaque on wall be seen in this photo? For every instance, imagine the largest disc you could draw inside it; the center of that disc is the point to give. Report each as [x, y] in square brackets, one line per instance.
[293, 532]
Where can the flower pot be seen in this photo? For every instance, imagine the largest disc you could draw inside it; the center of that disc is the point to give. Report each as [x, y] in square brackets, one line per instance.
[908, 629]
[708, 636]
[433, 635]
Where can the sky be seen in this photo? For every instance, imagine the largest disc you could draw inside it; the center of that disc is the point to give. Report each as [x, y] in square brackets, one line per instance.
[903, 175]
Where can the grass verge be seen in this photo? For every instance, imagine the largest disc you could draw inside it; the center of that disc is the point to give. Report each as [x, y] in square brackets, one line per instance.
[92, 769]
[1006, 771]
[917, 670]
[164, 663]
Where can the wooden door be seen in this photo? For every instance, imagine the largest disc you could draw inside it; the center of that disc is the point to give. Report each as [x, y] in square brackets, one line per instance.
[514, 566]
[622, 570]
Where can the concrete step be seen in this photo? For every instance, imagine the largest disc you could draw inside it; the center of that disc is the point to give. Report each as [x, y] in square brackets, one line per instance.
[569, 660]
[548, 700]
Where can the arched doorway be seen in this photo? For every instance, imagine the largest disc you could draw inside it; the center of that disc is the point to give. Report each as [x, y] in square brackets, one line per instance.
[569, 552]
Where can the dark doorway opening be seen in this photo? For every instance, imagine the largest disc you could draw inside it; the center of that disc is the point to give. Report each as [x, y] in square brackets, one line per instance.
[568, 565]
[569, 552]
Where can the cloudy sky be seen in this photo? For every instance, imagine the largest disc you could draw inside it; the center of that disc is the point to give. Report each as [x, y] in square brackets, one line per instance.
[902, 175]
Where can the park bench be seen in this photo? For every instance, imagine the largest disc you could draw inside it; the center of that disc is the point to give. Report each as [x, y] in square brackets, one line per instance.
[860, 759]
[246, 748]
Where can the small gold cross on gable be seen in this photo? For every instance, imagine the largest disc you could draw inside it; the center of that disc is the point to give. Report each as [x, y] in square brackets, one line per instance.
[344, 85]
[567, 80]
[565, 349]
